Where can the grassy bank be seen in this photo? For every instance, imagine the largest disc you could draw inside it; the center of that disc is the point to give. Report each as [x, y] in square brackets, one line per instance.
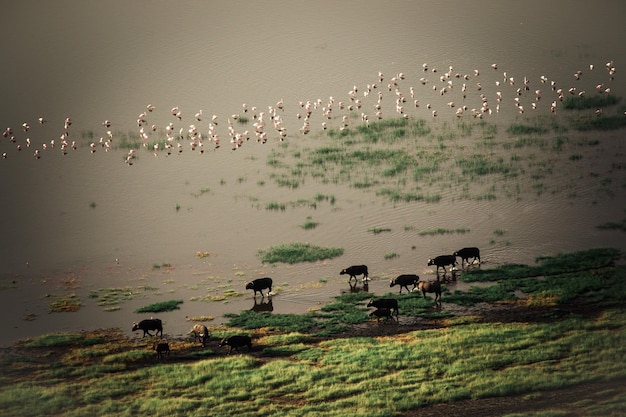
[337, 361]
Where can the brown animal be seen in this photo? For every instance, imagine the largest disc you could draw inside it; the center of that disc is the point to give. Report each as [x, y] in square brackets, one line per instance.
[430, 286]
[200, 333]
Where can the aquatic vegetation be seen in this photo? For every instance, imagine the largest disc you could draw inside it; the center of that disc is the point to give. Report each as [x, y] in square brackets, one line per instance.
[161, 306]
[621, 225]
[602, 122]
[443, 231]
[519, 129]
[377, 230]
[298, 252]
[64, 303]
[309, 224]
[274, 205]
[478, 164]
[594, 101]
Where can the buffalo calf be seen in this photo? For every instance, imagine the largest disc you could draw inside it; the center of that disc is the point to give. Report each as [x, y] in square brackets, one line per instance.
[382, 313]
[388, 303]
[162, 349]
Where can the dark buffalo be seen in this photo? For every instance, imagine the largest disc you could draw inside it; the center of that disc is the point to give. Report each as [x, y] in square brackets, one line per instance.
[442, 261]
[404, 281]
[381, 313]
[147, 325]
[162, 349]
[237, 341]
[259, 284]
[355, 270]
[432, 287]
[200, 333]
[467, 253]
[388, 303]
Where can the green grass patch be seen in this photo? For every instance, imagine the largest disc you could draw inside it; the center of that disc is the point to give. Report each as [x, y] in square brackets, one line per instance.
[603, 122]
[478, 164]
[595, 101]
[292, 253]
[309, 224]
[64, 303]
[161, 306]
[517, 129]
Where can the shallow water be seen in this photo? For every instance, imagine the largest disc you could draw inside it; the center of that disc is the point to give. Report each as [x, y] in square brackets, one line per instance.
[85, 222]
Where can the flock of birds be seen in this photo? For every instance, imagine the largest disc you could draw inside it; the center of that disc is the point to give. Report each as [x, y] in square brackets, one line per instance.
[361, 105]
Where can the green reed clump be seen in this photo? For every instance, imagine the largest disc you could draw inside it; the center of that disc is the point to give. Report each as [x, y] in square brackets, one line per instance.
[378, 230]
[274, 205]
[161, 306]
[603, 122]
[64, 303]
[521, 129]
[309, 224]
[443, 231]
[595, 101]
[292, 253]
[478, 164]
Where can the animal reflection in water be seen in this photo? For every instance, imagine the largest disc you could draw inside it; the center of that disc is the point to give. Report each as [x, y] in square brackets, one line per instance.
[354, 287]
[263, 305]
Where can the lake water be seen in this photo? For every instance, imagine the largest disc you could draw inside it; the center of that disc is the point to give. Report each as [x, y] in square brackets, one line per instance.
[86, 222]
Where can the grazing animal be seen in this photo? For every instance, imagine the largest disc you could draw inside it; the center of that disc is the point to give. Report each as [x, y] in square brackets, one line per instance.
[355, 270]
[442, 261]
[388, 303]
[430, 286]
[259, 284]
[147, 325]
[237, 341]
[467, 253]
[200, 333]
[404, 281]
[162, 349]
[382, 313]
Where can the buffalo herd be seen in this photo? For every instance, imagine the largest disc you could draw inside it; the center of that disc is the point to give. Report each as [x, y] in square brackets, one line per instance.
[385, 308]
